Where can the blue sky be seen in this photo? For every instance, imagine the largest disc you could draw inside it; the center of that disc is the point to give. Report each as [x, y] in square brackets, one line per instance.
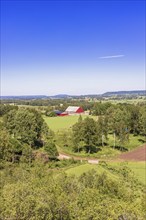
[72, 47]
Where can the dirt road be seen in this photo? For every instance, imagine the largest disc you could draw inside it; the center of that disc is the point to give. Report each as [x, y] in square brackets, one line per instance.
[64, 156]
[138, 154]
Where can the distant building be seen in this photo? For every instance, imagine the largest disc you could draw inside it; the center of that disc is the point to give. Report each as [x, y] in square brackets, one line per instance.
[73, 110]
[63, 114]
[57, 112]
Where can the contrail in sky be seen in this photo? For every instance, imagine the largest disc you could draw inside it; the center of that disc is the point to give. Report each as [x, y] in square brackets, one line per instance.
[112, 56]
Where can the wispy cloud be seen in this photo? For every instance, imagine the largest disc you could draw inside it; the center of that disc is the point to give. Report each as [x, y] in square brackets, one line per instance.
[112, 56]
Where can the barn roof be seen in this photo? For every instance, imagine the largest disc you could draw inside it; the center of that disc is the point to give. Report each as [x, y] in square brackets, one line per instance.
[72, 108]
[57, 111]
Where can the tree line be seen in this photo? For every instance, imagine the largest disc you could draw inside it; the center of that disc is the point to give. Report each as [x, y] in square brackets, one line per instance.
[25, 128]
[119, 120]
[21, 132]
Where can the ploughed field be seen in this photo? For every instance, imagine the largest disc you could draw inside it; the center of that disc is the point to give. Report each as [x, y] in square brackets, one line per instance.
[138, 154]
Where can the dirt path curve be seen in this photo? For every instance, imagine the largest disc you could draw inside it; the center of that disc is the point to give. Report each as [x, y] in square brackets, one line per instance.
[65, 156]
[138, 154]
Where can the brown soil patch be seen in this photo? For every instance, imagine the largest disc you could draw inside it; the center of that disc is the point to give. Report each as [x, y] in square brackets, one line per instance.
[138, 154]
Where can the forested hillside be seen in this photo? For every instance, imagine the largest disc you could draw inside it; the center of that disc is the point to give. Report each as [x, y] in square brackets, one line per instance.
[37, 185]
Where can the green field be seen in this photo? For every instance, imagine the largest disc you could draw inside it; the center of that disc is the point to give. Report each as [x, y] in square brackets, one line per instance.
[79, 170]
[65, 122]
[139, 169]
[127, 101]
[134, 141]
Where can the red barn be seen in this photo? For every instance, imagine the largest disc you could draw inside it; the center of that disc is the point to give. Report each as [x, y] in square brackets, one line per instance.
[63, 114]
[71, 110]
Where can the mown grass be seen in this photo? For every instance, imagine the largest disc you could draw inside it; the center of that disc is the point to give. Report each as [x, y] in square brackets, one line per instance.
[65, 122]
[139, 169]
[79, 170]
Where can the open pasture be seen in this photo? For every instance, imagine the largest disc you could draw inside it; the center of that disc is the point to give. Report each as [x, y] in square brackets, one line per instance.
[124, 100]
[79, 170]
[65, 122]
[134, 141]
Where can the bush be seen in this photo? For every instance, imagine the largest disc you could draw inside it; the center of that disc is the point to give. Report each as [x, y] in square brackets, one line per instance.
[51, 114]
[51, 150]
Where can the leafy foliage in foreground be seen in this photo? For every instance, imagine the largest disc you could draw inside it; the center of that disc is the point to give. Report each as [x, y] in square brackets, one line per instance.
[37, 193]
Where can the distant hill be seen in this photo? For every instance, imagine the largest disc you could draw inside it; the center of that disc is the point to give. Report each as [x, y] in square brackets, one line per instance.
[65, 96]
[124, 93]
[61, 96]
[24, 97]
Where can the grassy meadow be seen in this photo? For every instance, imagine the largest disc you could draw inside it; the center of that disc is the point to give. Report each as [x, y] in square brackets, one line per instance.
[127, 101]
[138, 168]
[134, 141]
[65, 122]
[79, 170]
